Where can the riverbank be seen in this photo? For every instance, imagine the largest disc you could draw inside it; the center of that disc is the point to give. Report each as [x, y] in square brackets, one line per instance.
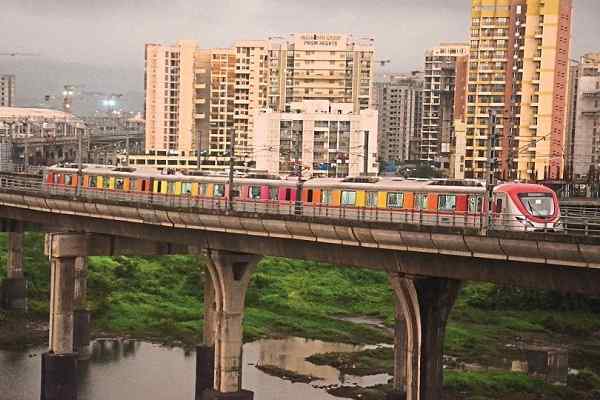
[160, 299]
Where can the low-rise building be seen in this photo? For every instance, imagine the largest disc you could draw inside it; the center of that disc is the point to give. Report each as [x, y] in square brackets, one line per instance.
[321, 138]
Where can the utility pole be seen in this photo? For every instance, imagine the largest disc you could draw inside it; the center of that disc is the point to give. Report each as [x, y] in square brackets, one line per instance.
[366, 155]
[299, 183]
[79, 159]
[26, 155]
[231, 169]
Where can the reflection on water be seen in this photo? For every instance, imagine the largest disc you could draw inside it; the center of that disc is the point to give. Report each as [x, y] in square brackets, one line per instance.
[290, 354]
[132, 370]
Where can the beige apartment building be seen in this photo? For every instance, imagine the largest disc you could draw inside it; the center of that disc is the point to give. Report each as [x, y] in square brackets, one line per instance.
[207, 96]
[7, 90]
[169, 105]
[518, 69]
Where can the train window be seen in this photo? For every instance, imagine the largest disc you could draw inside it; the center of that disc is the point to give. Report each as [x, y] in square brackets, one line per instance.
[106, 182]
[309, 196]
[326, 197]
[93, 181]
[371, 199]
[68, 180]
[348, 198]
[236, 191]
[219, 190]
[395, 200]
[498, 208]
[446, 202]
[421, 201]
[132, 184]
[538, 204]
[254, 192]
[171, 187]
[203, 189]
[274, 193]
[56, 178]
[474, 204]
[186, 188]
[119, 183]
[288, 194]
[144, 188]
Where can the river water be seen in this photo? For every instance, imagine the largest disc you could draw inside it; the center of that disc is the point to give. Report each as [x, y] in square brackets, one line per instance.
[135, 370]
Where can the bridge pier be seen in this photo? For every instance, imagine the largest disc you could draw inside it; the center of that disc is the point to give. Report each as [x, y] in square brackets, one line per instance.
[229, 277]
[423, 306]
[81, 314]
[59, 365]
[14, 287]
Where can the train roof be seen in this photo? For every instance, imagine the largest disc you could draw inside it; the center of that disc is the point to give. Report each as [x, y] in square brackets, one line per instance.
[371, 183]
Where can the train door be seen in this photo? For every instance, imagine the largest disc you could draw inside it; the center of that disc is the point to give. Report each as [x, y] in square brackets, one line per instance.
[500, 211]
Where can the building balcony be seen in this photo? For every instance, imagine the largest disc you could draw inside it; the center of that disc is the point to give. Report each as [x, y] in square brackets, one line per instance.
[592, 93]
[591, 113]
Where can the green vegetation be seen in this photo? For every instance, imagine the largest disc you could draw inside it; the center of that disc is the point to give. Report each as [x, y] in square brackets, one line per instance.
[161, 298]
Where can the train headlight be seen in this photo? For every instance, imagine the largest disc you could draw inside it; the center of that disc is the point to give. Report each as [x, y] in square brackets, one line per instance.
[524, 221]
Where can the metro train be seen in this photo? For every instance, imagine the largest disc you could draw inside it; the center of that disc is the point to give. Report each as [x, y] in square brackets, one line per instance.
[514, 206]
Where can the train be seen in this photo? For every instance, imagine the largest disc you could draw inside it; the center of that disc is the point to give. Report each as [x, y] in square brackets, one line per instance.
[463, 203]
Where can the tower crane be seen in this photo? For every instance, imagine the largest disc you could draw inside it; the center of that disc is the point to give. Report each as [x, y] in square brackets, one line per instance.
[19, 54]
[109, 100]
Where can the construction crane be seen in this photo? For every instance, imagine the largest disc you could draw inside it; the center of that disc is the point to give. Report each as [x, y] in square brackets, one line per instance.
[108, 100]
[18, 54]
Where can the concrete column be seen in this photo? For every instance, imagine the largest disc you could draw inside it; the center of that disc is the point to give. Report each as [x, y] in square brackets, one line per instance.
[81, 315]
[62, 293]
[59, 365]
[423, 304]
[14, 292]
[205, 353]
[230, 274]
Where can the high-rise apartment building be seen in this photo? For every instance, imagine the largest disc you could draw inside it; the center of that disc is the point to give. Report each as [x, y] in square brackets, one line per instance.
[321, 66]
[7, 90]
[169, 106]
[200, 98]
[518, 71]
[583, 133]
[398, 99]
[438, 102]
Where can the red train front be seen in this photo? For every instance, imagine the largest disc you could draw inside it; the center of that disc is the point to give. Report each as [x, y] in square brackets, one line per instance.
[528, 207]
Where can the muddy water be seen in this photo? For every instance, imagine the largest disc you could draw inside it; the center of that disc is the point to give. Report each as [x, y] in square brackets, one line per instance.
[132, 370]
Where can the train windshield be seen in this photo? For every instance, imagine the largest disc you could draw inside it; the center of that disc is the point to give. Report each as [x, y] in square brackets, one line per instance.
[538, 204]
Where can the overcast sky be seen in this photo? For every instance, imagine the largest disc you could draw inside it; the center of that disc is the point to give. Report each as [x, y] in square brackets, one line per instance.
[100, 43]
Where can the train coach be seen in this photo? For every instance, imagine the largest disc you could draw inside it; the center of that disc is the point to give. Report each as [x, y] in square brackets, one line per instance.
[394, 200]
